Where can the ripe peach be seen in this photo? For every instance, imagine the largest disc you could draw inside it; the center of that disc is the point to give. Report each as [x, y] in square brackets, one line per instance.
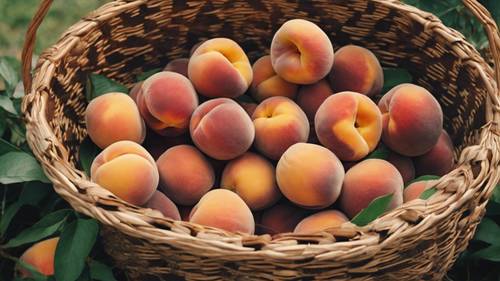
[185, 174]
[223, 209]
[253, 178]
[220, 68]
[403, 164]
[301, 52]
[349, 124]
[368, 180]
[310, 97]
[114, 117]
[40, 256]
[414, 190]
[320, 221]
[412, 120]
[266, 83]
[167, 101]
[222, 129]
[281, 218]
[163, 204]
[179, 65]
[356, 69]
[279, 123]
[439, 160]
[310, 175]
[127, 170]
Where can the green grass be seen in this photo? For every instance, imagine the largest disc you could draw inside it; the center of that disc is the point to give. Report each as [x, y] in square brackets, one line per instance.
[15, 16]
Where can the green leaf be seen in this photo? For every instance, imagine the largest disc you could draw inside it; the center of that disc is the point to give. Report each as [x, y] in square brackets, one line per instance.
[101, 272]
[145, 75]
[32, 194]
[98, 85]
[493, 208]
[488, 231]
[75, 244]
[394, 77]
[423, 178]
[20, 167]
[7, 105]
[376, 208]
[87, 154]
[492, 253]
[382, 152]
[428, 193]
[44, 228]
[496, 194]
[8, 74]
[6, 146]
[8, 215]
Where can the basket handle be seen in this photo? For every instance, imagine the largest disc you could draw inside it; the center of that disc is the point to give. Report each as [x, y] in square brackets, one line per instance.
[29, 43]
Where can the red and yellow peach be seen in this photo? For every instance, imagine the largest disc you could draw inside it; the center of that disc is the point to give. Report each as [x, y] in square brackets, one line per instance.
[320, 221]
[349, 124]
[310, 175]
[266, 83]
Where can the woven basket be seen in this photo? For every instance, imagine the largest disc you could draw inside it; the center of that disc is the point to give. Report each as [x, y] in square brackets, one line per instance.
[418, 241]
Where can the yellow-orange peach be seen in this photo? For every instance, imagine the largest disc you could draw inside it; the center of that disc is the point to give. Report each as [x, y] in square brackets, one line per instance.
[368, 180]
[310, 97]
[320, 221]
[310, 175]
[403, 164]
[136, 91]
[279, 123]
[195, 46]
[178, 65]
[281, 218]
[167, 101]
[439, 160]
[222, 129]
[414, 190]
[114, 117]
[157, 144]
[356, 69]
[253, 178]
[162, 203]
[185, 174]
[349, 124]
[412, 120]
[223, 209]
[266, 83]
[127, 170]
[220, 68]
[41, 257]
[301, 52]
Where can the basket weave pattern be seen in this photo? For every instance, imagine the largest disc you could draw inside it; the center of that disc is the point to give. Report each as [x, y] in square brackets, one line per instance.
[418, 241]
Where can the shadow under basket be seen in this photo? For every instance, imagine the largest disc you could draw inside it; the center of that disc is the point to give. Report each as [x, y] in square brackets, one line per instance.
[418, 241]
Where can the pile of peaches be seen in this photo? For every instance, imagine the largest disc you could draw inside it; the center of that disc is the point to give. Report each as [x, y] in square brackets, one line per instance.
[283, 145]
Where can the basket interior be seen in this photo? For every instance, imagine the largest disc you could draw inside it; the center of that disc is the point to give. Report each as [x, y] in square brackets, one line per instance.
[143, 36]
